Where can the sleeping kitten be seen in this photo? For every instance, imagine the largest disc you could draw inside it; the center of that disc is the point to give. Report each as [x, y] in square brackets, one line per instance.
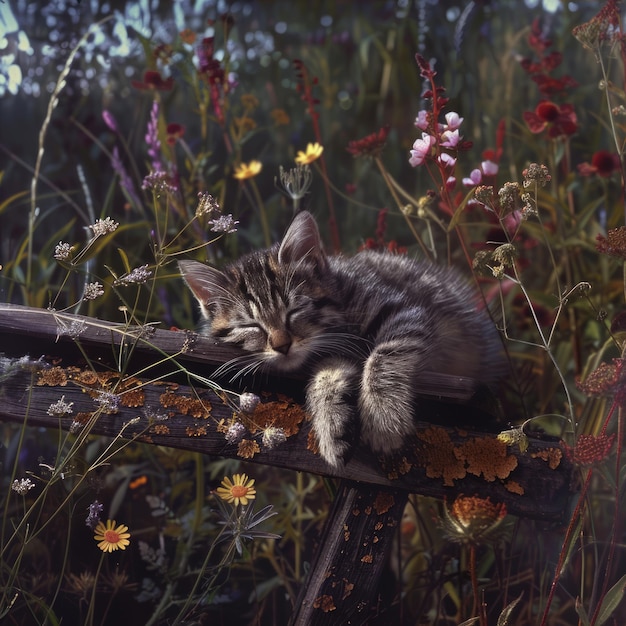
[365, 326]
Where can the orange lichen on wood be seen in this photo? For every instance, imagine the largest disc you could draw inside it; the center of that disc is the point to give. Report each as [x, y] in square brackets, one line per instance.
[53, 377]
[247, 448]
[438, 456]
[383, 502]
[200, 409]
[283, 413]
[325, 602]
[486, 456]
[552, 456]
[367, 559]
[195, 431]
[514, 487]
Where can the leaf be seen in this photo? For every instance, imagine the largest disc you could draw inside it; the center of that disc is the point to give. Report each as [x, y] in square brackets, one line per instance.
[611, 600]
[503, 620]
[470, 621]
[580, 609]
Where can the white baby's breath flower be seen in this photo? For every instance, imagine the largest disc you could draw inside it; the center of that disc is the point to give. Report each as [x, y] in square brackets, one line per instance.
[109, 402]
[235, 432]
[273, 437]
[224, 224]
[138, 276]
[22, 486]
[93, 291]
[207, 204]
[62, 251]
[60, 408]
[103, 227]
[248, 402]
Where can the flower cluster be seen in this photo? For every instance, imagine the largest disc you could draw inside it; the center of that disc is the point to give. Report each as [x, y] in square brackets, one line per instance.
[22, 486]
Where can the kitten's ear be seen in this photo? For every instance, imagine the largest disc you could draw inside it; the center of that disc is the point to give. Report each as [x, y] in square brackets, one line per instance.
[302, 240]
[206, 283]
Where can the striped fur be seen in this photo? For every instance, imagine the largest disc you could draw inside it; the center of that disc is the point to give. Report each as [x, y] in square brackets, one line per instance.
[365, 327]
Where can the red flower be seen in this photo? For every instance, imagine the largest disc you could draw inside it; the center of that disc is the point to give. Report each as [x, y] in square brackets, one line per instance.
[559, 120]
[153, 80]
[174, 132]
[603, 163]
[372, 145]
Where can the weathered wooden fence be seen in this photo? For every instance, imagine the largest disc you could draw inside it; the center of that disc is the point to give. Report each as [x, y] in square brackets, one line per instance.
[160, 405]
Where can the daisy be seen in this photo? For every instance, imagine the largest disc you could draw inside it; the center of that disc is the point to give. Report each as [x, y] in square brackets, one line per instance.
[313, 152]
[111, 537]
[238, 491]
[247, 170]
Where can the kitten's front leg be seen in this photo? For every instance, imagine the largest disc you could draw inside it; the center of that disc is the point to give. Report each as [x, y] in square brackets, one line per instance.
[331, 399]
[386, 401]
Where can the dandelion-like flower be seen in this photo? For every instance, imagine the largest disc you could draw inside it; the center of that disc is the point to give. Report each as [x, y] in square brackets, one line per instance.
[296, 181]
[93, 291]
[111, 537]
[103, 227]
[247, 170]
[60, 408]
[22, 486]
[62, 251]
[312, 153]
[239, 490]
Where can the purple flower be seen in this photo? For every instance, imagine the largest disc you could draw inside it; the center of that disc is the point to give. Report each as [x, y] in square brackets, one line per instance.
[126, 182]
[152, 137]
[109, 120]
[421, 121]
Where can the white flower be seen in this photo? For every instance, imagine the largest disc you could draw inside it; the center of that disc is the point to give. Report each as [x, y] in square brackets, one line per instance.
[138, 276]
[62, 251]
[93, 291]
[22, 486]
[60, 408]
[102, 227]
[224, 224]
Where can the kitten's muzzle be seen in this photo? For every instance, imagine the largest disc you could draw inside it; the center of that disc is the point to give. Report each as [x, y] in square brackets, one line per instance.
[280, 341]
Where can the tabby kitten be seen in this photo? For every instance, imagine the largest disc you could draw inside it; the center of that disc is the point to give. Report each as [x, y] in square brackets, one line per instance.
[365, 327]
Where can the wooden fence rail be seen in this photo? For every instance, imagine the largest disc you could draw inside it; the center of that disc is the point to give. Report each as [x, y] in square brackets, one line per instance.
[158, 399]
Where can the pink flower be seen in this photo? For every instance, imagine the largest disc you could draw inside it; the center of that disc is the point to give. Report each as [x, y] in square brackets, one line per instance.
[446, 160]
[421, 149]
[450, 138]
[421, 121]
[475, 178]
[489, 168]
[453, 121]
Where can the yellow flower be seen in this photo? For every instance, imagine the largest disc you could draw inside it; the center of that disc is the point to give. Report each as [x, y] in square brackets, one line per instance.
[239, 490]
[111, 537]
[313, 152]
[247, 170]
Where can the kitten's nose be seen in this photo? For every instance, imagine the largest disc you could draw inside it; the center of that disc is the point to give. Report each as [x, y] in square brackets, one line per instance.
[280, 340]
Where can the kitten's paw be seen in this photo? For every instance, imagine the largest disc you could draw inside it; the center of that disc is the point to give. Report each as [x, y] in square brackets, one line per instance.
[386, 399]
[331, 400]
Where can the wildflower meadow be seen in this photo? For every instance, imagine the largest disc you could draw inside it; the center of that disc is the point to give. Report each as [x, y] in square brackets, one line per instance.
[484, 135]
